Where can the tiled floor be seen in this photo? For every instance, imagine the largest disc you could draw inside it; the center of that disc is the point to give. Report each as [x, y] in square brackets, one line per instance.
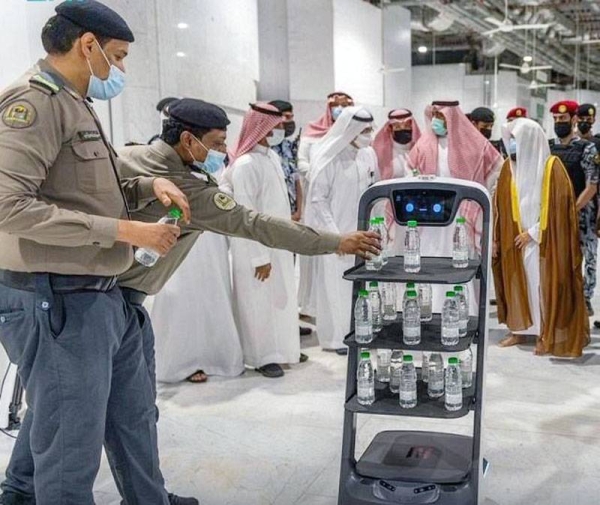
[254, 441]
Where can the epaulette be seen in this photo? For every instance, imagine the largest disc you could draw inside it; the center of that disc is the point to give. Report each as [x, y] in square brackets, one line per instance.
[46, 83]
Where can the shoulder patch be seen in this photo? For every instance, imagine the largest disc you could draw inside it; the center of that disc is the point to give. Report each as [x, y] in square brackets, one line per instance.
[45, 81]
[224, 202]
[20, 114]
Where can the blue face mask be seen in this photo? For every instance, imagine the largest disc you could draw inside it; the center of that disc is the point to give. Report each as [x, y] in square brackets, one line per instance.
[336, 111]
[111, 87]
[512, 146]
[214, 161]
[438, 127]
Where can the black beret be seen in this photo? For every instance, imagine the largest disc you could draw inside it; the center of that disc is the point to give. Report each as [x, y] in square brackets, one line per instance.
[586, 109]
[97, 18]
[282, 105]
[482, 114]
[198, 114]
[164, 102]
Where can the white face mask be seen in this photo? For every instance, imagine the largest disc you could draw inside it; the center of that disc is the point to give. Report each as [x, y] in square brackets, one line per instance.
[363, 140]
[277, 137]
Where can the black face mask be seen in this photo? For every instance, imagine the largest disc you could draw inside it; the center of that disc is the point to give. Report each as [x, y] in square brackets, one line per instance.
[562, 129]
[584, 127]
[289, 127]
[486, 132]
[403, 137]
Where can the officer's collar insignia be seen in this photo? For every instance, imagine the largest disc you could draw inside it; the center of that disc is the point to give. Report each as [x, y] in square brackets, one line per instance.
[19, 115]
[224, 202]
[46, 80]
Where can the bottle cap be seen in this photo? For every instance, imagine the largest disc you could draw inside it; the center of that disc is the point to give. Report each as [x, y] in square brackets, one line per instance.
[381, 219]
[373, 220]
[407, 358]
[410, 285]
[363, 293]
[176, 213]
[365, 355]
[458, 289]
[453, 361]
[411, 294]
[412, 224]
[461, 220]
[450, 294]
[373, 284]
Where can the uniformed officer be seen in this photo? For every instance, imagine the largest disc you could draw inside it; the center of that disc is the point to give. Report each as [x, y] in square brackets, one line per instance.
[483, 119]
[191, 146]
[66, 236]
[586, 117]
[582, 162]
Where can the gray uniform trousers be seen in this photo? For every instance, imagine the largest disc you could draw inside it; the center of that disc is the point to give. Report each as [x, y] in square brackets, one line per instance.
[588, 240]
[80, 357]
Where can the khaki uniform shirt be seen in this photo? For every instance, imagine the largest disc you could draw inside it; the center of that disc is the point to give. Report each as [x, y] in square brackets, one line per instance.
[60, 195]
[212, 210]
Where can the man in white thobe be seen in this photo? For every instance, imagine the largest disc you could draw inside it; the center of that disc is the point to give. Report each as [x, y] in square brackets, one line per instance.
[264, 287]
[451, 147]
[311, 135]
[342, 169]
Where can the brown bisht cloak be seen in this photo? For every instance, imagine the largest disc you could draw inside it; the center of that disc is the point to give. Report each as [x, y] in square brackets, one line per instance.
[565, 328]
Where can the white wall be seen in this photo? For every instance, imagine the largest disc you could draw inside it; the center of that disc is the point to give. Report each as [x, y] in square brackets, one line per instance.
[397, 55]
[358, 50]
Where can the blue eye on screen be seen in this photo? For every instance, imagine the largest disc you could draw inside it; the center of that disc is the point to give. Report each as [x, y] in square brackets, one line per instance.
[410, 207]
[437, 208]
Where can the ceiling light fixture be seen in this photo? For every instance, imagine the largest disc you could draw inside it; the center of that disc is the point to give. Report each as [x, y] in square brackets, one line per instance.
[422, 49]
[180, 54]
[527, 59]
[183, 26]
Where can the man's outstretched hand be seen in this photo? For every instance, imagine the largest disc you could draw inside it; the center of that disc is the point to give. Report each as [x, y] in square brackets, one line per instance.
[361, 243]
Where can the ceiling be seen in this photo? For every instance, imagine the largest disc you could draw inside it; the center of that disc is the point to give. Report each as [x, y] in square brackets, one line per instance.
[455, 29]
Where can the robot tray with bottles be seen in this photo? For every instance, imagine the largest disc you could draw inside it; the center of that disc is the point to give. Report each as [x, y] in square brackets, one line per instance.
[416, 466]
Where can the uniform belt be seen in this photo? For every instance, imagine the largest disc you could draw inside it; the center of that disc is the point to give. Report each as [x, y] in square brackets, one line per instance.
[134, 296]
[61, 284]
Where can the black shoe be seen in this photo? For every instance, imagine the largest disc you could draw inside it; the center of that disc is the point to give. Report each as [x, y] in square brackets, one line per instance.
[8, 498]
[303, 358]
[342, 352]
[590, 309]
[271, 371]
[304, 331]
[178, 500]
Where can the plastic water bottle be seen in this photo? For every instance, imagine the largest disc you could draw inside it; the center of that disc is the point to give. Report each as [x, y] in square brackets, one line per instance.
[388, 293]
[148, 257]
[395, 369]
[408, 383]
[435, 384]
[463, 311]
[460, 250]
[384, 357]
[411, 320]
[385, 247]
[454, 397]
[412, 249]
[426, 302]
[466, 368]
[375, 262]
[410, 286]
[365, 379]
[425, 367]
[375, 299]
[450, 320]
[363, 318]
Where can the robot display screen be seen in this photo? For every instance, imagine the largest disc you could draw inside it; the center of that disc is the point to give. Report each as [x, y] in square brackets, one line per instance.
[424, 205]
